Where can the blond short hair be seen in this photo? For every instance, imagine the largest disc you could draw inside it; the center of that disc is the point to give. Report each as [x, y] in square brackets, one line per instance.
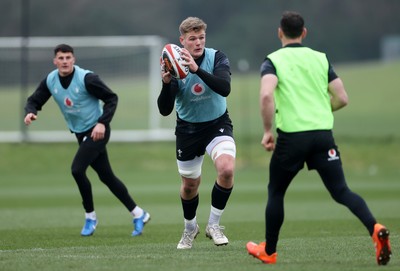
[192, 24]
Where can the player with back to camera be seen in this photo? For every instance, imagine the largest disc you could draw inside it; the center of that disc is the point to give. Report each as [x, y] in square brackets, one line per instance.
[79, 94]
[202, 125]
[300, 88]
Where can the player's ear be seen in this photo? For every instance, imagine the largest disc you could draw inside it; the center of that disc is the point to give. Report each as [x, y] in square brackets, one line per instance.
[182, 40]
[280, 33]
[304, 34]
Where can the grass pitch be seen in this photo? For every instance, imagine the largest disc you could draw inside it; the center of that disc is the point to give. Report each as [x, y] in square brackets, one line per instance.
[41, 214]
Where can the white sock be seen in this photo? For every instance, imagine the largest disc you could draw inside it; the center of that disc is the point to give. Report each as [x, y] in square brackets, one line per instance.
[215, 216]
[91, 215]
[190, 225]
[137, 212]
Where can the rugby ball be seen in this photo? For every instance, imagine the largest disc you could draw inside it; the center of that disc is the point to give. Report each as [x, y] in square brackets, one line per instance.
[173, 62]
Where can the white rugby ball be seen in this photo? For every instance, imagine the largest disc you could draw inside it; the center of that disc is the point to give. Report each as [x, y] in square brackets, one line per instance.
[173, 62]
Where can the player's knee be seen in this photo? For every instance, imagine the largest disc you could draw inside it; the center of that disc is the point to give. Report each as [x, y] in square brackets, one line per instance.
[191, 173]
[226, 173]
[341, 194]
[190, 169]
[224, 147]
[77, 171]
[189, 189]
[224, 159]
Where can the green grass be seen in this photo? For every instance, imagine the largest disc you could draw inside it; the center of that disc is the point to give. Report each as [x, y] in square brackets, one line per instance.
[41, 214]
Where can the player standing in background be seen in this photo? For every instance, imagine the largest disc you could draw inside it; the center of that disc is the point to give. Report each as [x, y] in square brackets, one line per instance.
[300, 88]
[79, 94]
[202, 125]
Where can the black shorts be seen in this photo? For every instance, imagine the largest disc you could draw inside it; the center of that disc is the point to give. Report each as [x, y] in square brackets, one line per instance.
[315, 148]
[86, 137]
[193, 138]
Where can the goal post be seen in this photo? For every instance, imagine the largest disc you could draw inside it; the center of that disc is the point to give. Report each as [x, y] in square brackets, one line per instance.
[128, 64]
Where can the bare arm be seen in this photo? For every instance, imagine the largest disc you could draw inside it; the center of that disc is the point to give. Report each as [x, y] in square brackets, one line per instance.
[338, 94]
[267, 107]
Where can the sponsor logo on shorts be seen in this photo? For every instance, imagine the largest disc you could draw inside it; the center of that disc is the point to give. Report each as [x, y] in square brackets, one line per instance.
[332, 155]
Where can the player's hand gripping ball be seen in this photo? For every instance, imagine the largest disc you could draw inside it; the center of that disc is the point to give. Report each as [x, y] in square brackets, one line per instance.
[173, 62]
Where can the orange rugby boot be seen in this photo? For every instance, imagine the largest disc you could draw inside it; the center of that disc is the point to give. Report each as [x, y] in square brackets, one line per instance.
[380, 237]
[258, 251]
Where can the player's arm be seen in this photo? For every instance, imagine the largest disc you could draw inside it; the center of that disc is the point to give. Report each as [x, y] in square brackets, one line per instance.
[338, 94]
[36, 101]
[337, 91]
[166, 99]
[220, 80]
[267, 108]
[269, 82]
[96, 87]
